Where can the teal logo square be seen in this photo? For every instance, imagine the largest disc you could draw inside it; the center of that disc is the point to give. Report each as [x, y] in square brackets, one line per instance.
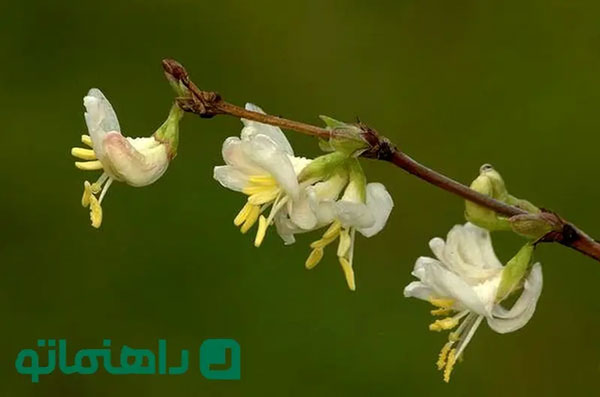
[220, 359]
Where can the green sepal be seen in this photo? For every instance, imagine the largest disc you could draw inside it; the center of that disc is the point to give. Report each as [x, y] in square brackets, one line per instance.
[322, 167]
[168, 132]
[515, 271]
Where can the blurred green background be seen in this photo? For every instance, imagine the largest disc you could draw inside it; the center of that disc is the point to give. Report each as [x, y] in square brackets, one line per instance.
[455, 84]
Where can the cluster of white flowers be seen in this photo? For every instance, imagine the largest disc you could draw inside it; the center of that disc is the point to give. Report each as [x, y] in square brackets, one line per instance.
[300, 194]
[466, 282]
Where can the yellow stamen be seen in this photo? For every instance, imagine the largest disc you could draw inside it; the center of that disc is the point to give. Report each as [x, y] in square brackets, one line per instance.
[87, 193]
[263, 180]
[449, 365]
[333, 231]
[262, 230]
[243, 214]
[349, 273]
[263, 196]
[95, 212]
[441, 312]
[84, 154]
[250, 219]
[89, 165]
[345, 243]
[314, 258]
[322, 242]
[443, 324]
[87, 140]
[441, 362]
[442, 302]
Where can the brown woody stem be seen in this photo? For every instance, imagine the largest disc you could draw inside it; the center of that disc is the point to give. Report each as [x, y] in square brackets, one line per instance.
[207, 104]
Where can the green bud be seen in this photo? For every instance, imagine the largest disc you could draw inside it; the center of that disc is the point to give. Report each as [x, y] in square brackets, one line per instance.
[344, 138]
[168, 132]
[491, 183]
[533, 226]
[323, 167]
[515, 271]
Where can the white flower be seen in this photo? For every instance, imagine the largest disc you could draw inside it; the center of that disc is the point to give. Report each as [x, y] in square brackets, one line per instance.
[135, 161]
[464, 279]
[261, 164]
[363, 207]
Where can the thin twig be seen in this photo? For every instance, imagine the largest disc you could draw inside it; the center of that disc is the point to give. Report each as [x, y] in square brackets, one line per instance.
[207, 104]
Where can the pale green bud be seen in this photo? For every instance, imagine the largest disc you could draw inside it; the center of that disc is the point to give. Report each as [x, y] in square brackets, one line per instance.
[491, 183]
[168, 132]
[535, 226]
[515, 272]
[344, 138]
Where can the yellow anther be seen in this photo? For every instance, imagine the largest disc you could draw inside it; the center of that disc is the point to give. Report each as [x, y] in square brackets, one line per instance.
[333, 231]
[349, 273]
[322, 242]
[250, 219]
[449, 365]
[87, 140]
[84, 154]
[441, 312]
[453, 336]
[89, 165]
[95, 212]
[87, 193]
[262, 230]
[314, 258]
[345, 243]
[243, 214]
[263, 180]
[443, 324]
[441, 362]
[444, 303]
[263, 196]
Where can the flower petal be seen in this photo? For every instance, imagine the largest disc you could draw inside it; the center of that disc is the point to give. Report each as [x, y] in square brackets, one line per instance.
[138, 162]
[503, 320]
[230, 177]
[263, 152]
[234, 155]
[353, 214]
[446, 284]
[419, 290]
[302, 214]
[100, 118]
[380, 204]
[253, 128]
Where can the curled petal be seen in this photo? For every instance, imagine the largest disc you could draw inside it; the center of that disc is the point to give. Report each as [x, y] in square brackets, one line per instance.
[100, 118]
[503, 320]
[379, 204]
[253, 128]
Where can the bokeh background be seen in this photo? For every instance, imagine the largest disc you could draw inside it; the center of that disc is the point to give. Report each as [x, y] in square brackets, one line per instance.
[455, 84]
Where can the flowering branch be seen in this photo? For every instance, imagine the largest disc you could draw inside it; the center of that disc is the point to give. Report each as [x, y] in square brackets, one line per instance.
[207, 104]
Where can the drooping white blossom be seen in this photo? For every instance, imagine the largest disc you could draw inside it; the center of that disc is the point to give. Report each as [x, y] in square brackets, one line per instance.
[463, 283]
[134, 161]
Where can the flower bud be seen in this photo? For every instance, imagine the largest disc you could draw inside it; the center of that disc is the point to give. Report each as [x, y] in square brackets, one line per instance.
[344, 138]
[491, 183]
